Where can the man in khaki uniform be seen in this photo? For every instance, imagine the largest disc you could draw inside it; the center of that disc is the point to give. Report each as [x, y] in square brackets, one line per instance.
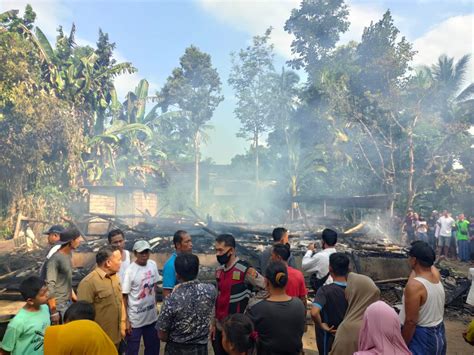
[102, 288]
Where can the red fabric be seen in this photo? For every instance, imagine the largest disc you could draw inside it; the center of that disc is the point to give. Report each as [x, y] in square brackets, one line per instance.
[295, 286]
[225, 281]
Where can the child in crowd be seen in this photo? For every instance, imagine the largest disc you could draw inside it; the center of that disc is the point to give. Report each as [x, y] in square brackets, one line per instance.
[238, 335]
[25, 332]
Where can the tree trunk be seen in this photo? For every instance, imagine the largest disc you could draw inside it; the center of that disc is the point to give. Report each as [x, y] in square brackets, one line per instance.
[411, 172]
[196, 169]
[256, 160]
[392, 206]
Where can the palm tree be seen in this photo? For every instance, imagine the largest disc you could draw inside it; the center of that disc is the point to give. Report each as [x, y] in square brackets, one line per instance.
[448, 79]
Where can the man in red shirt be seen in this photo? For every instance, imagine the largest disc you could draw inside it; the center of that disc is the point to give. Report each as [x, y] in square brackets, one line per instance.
[296, 286]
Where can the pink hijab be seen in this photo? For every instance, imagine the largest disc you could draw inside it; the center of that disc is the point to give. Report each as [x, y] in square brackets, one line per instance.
[381, 333]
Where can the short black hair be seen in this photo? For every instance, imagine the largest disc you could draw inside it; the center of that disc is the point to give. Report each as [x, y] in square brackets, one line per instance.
[113, 233]
[68, 235]
[282, 250]
[104, 253]
[178, 237]
[187, 266]
[31, 286]
[79, 310]
[423, 253]
[238, 329]
[339, 263]
[227, 239]
[277, 273]
[329, 237]
[278, 233]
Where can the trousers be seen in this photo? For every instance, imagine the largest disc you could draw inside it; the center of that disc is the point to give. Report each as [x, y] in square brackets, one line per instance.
[150, 339]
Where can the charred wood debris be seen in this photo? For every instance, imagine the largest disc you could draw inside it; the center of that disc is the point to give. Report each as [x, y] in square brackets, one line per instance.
[251, 240]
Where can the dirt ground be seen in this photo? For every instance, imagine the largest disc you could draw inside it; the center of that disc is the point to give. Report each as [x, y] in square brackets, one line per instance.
[454, 329]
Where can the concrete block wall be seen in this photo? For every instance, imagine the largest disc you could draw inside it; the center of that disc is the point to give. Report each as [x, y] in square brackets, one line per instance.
[102, 203]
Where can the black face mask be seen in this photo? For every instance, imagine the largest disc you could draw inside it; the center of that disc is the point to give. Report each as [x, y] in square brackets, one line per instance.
[223, 259]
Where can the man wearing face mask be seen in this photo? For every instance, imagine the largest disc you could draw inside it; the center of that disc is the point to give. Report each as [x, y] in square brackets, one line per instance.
[235, 280]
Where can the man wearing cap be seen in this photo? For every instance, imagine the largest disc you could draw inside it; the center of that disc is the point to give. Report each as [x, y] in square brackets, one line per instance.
[138, 291]
[423, 303]
[53, 234]
[102, 289]
[59, 275]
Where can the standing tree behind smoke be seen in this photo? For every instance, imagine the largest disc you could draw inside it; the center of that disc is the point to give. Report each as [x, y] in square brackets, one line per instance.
[441, 113]
[195, 89]
[317, 26]
[251, 77]
[377, 91]
[285, 92]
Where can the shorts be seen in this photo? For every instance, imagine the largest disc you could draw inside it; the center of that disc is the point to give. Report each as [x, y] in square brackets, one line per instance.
[444, 241]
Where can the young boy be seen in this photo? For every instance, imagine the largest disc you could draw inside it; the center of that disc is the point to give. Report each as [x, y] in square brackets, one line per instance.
[25, 332]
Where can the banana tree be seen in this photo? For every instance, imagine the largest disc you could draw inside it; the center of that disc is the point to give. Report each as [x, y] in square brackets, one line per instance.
[74, 73]
[108, 147]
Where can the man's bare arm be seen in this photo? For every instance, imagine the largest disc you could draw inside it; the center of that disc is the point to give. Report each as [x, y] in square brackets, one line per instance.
[413, 293]
[128, 326]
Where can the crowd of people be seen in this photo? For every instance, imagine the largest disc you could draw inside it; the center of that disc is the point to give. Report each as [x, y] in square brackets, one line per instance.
[249, 310]
[449, 236]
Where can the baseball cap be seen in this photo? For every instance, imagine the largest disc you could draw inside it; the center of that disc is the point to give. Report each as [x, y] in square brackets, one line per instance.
[68, 235]
[141, 245]
[423, 252]
[57, 228]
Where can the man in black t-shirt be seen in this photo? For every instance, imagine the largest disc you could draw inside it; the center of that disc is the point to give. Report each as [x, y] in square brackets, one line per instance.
[330, 303]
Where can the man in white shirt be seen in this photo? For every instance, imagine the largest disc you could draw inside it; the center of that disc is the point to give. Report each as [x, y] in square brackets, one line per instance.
[138, 290]
[116, 238]
[445, 224]
[318, 263]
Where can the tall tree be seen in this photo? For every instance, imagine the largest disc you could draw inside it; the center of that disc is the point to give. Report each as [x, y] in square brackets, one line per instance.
[317, 26]
[252, 77]
[284, 106]
[195, 89]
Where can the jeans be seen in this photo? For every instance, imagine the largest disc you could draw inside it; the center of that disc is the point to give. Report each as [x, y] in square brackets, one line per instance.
[150, 339]
[463, 246]
[471, 247]
[62, 308]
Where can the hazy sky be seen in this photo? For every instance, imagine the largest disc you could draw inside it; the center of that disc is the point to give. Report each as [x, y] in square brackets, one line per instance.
[153, 35]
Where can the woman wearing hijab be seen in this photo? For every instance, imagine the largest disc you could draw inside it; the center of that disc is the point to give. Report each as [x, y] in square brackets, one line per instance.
[380, 333]
[361, 292]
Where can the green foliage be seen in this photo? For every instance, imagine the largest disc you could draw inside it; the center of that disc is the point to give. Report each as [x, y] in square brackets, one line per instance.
[317, 26]
[54, 100]
[195, 81]
[37, 130]
[383, 60]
